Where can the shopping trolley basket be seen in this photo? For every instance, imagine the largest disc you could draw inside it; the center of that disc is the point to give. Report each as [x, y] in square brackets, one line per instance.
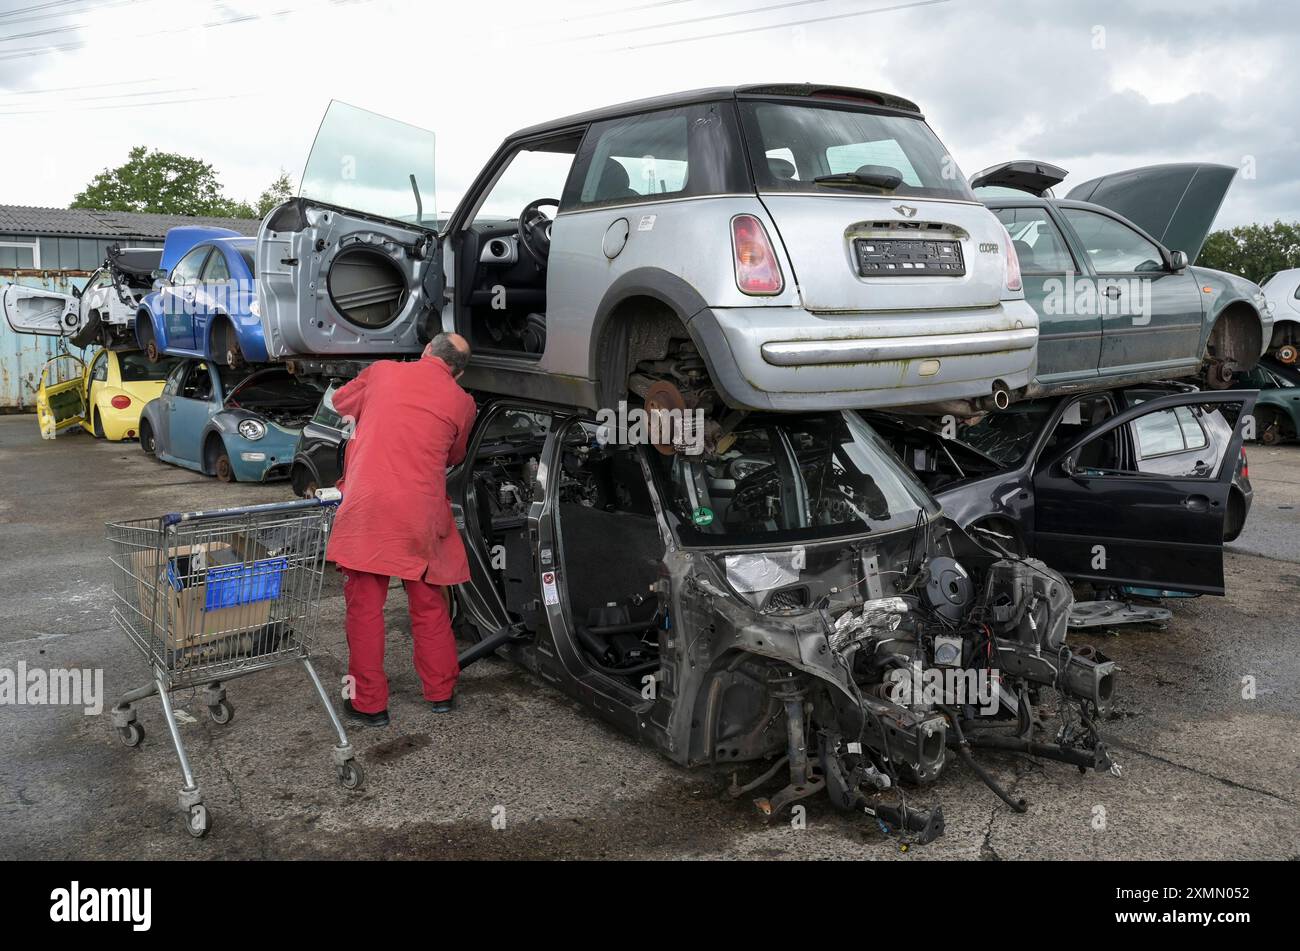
[211, 596]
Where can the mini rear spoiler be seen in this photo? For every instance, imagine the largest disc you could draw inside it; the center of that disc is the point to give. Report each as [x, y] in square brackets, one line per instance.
[1025, 175]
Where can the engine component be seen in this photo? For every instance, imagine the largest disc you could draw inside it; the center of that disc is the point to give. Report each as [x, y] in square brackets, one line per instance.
[947, 650]
[948, 590]
[1029, 601]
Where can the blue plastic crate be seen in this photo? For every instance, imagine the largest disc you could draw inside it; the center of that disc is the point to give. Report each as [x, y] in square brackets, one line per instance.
[228, 586]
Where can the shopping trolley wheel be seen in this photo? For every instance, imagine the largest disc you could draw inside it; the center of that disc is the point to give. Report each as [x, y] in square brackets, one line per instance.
[132, 734]
[198, 822]
[351, 775]
[222, 712]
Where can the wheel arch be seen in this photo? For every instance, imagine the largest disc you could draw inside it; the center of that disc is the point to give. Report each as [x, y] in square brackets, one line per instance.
[642, 291]
[1236, 335]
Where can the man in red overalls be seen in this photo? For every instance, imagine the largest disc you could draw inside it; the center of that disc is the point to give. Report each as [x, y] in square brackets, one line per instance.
[412, 422]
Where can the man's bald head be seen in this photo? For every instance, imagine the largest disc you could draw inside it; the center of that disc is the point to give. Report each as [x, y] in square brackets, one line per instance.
[451, 349]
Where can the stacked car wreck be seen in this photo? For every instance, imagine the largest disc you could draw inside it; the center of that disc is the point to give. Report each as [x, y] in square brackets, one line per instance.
[847, 556]
[782, 589]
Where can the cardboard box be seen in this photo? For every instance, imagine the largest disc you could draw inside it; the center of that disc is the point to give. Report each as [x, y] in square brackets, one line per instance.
[181, 582]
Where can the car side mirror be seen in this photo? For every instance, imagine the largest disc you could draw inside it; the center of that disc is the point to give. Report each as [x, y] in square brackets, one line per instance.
[76, 292]
[1177, 260]
[1070, 467]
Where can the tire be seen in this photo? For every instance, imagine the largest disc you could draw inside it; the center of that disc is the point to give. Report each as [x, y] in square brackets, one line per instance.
[96, 424]
[132, 734]
[302, 483]
[217, 460]
[147, 441]
[222, 713]
[198, 822]
[351, 775]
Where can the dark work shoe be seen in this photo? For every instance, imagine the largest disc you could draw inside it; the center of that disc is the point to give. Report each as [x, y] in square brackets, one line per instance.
[442, 706]
[369, 719]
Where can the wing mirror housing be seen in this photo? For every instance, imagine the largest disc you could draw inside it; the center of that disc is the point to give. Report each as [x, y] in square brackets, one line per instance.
[1177, 260]
[1070, 467]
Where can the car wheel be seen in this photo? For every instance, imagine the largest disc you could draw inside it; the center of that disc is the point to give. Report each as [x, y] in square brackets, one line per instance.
[96, 424]
[147, 441]
[227, 346]
[219, 461]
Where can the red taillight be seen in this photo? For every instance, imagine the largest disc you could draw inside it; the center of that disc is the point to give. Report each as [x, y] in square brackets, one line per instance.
[756, 269]
[120, 402]
[1013, 264]
[1245, 466]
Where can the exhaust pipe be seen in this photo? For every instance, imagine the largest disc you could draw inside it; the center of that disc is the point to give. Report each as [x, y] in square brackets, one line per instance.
[1000, 398]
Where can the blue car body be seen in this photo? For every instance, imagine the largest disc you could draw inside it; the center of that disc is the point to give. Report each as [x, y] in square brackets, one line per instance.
[196, 422]
[206, 306]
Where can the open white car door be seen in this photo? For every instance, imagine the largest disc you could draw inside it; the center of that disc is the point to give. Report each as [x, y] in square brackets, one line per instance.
[34, 310]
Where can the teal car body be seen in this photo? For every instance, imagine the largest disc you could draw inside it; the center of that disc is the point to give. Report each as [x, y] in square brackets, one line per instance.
[1111, 278]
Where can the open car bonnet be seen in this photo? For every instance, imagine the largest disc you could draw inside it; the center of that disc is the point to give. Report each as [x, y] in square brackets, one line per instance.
[1176, 204]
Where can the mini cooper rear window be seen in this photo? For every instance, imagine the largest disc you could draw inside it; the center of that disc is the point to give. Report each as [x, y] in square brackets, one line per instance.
[792, 146]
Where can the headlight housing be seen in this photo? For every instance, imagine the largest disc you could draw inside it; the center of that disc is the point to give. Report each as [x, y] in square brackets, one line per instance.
[252, 429]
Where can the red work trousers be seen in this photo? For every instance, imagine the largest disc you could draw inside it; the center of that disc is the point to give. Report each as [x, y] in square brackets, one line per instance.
[435, 645]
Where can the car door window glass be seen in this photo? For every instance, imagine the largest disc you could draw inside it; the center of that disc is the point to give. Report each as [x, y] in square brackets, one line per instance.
[198, 383]
[216, 270]
[1168, 431]
[1079, 416]
[1037, 241]
[668, 154]
[187, 271]
[326, 414]
[1113, 247]
[99, 369]
[534, 172]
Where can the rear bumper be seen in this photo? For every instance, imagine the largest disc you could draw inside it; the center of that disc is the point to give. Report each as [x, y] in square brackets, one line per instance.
[785, 358]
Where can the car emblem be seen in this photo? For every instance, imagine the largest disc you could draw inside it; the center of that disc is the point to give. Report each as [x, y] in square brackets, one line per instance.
[907, 211]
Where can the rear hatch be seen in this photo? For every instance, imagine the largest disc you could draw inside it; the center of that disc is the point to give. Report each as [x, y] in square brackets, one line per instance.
[352, 265]
[873, 213]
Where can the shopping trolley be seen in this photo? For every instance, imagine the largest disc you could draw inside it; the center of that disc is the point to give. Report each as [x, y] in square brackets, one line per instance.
[211, 596]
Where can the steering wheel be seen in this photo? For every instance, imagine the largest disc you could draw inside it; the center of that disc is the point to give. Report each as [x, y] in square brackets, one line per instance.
[535, 230]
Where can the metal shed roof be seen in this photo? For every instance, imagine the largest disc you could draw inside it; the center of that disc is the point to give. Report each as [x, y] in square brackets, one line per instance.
[76, 222]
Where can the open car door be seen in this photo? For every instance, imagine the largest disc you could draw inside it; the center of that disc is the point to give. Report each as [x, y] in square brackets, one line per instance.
[353, 265]
[34, 310]
[1100, 518]
[61, 395]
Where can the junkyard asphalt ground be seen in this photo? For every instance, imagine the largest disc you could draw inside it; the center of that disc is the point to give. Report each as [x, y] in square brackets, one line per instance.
[1207, 773]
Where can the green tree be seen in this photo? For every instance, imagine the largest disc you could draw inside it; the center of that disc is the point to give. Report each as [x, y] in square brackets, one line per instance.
[156, 182]
[281, 190]
[1253, 251]
[165, 183]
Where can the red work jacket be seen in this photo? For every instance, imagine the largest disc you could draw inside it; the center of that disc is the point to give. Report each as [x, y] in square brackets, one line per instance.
[412, 422]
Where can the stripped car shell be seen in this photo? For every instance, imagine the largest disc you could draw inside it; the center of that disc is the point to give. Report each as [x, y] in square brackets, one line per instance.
[759, 603]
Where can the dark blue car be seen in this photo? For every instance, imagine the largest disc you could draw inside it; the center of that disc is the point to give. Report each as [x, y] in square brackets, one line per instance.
[206, 305]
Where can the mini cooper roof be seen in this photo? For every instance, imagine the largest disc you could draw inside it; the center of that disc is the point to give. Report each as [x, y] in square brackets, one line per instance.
[845, 94]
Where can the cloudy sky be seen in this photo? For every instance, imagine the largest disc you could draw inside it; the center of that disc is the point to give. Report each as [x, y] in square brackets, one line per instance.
[1092, 86]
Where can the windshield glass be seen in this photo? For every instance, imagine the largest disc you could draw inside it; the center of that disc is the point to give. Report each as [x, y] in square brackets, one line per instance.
[136, 368]
[363, 161]
[790, 478]
[791, 145]
[1006, 437]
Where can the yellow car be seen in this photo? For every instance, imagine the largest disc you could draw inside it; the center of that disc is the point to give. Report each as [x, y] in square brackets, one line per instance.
[104, 397]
